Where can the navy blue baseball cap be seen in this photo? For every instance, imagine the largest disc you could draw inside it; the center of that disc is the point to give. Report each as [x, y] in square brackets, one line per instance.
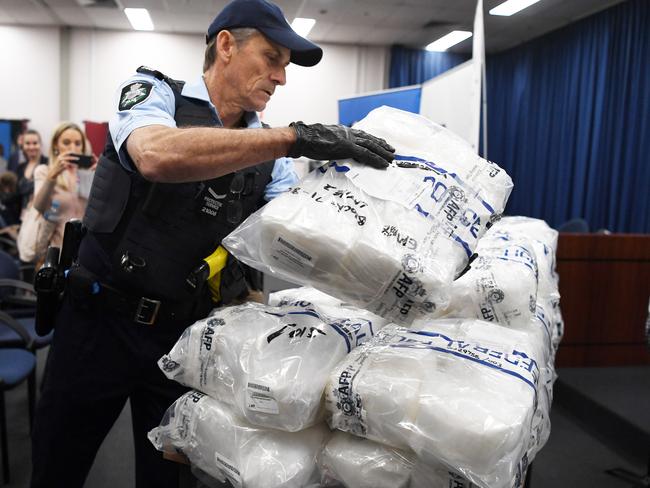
[269, 20]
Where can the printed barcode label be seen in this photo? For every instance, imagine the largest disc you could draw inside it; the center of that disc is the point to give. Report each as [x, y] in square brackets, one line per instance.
[261, 402]
[290, 255]
[294, 249]
[257, 386]
[229, 469]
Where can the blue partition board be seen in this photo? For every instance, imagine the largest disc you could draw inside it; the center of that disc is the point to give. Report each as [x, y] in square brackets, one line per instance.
[354, 109]
[5, 136]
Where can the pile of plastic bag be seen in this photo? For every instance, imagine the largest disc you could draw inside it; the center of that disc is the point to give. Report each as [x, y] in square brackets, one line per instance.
[458, 392]
[455, 392]
[457, 402]
[260, 372]
[389, 241]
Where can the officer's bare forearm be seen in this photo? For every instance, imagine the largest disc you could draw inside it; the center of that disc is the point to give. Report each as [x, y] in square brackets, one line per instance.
[191, 154]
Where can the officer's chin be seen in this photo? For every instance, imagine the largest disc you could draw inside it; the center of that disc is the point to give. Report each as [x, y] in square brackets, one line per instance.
[260, 106]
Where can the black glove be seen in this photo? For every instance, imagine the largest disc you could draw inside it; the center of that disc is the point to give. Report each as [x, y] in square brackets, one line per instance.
[318, 141]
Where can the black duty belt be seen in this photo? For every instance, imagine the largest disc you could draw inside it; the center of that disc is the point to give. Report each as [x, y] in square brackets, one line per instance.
[139, 309]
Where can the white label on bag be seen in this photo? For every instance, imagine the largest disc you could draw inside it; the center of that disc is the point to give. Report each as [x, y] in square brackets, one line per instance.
[229, 469]
[290, 255]
[259, 398]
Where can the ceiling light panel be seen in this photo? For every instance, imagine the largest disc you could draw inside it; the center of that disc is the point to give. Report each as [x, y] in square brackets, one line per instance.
[451, 39]
[511, 7]
[139, 18]
[302, 25]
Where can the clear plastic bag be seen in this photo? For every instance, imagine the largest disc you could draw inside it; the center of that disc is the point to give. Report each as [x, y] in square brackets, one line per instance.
[271, 363]
[224, 446]
[303, 296]
[543, 241]
[361, 463]
[459, 392]
[389, 241]
[356, 462]
[308, 297]
[500, 286]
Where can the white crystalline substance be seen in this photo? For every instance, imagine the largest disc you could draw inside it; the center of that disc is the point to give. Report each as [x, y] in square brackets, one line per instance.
[544, 242]
[224, 446]
[458, 391]
[389, 241]
[500, 286]
[361, 463]
[308, 297]
[303, 296]
[271, 363]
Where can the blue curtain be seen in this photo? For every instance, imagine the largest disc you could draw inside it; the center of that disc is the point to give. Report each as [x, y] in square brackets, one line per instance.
[413, 66]
[568, 119]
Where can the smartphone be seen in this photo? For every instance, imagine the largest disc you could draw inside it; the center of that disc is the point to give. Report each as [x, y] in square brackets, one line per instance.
[83, 161]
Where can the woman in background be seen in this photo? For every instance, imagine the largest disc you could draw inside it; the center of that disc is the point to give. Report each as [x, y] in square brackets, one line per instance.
[56, 186]
[33, 157]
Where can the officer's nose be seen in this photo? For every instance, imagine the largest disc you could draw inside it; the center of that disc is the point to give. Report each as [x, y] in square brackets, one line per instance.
[279, 76]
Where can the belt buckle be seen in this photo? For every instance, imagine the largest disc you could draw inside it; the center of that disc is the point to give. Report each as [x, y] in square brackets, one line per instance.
[146, 311]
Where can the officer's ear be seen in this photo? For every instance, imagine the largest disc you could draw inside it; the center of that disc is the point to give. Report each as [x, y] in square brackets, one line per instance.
[225, 46]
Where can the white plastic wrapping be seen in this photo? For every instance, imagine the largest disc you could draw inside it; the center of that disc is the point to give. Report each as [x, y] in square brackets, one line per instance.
[461, 392]
[224, 446]
[302, 296]
[389, 241]
[308, 297]
[361, 463]
[356, 462]
[500, 286]
[270, 363]
[543, 240]
[544, 243]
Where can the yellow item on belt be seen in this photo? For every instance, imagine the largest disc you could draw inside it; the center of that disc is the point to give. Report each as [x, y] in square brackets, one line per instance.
[216, 261]
[210, 271]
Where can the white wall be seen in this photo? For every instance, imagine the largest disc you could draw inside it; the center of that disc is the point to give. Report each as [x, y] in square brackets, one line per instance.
[312, 94]
[48, 75]
[101, 60]
[29, 77]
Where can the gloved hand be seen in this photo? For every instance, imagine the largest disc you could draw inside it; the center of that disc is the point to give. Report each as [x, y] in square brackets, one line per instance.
[318, 141]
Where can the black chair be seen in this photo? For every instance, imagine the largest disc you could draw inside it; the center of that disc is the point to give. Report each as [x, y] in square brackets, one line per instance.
[16, 365]
[18, 309]
[577, 225]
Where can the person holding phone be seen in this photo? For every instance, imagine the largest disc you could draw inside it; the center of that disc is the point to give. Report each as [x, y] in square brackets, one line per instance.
[56, 186]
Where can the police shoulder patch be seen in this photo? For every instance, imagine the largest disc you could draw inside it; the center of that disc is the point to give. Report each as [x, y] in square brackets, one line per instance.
[134, 93]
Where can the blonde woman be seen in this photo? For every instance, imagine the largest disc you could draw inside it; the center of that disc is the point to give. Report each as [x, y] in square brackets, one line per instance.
[56, 186]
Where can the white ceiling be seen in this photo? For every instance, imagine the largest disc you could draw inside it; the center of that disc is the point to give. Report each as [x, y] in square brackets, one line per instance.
[412, 23]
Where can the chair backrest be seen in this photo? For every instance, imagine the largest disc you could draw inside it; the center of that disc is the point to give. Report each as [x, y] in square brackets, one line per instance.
[8, 269]
[574, 225]
[8, 266]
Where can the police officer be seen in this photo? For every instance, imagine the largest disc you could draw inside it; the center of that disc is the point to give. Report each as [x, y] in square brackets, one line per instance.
[184, 164]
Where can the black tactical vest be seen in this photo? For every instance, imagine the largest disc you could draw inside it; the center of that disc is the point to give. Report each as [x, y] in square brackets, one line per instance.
[156, 234]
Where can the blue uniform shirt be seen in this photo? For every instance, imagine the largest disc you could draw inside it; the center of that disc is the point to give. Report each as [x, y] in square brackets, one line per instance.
[158, 108]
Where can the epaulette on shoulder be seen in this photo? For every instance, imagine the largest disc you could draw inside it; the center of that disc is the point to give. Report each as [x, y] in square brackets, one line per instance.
[151, 72]
[175, 84]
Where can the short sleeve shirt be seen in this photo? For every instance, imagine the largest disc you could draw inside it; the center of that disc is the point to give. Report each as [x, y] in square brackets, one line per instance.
[145, 100]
